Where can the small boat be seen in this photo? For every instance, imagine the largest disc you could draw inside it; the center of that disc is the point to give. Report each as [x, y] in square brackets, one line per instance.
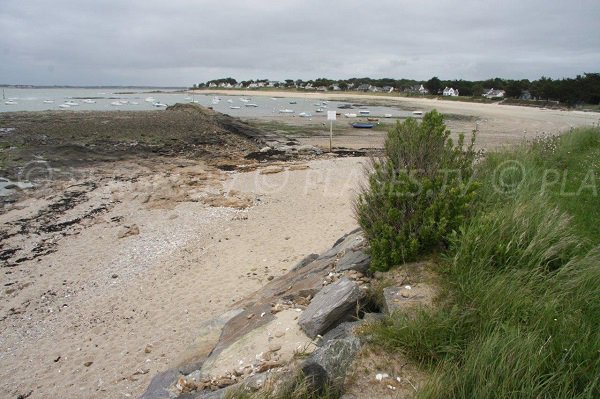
[159, 104]
[48, 101]
[345, 106]
[134, 103]
[286, 111]
[317, 104]
[373, 119]
[244, 100]
[305, 115]
[123, 102]
[319, 110]
[251, 105]
[293, 102]
[230, 101]
[187, 98]
[89, 101]
[274, 98]
[364, 112]
[116, 103]
[71, 103]
[150, 99]
[10, 102]
[235, 107]
[350, 115]
[216, 100]
[362, 125]
[387, 115]
[417, 113]
[64, 106]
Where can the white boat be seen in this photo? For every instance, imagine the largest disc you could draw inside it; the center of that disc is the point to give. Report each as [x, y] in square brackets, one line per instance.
[417, 113]
[293, 102]
[134, 103]
[230, 101]
[159, 104]
[150, 99]
[123, 102]
[235, 107]
[274, 98]
[286, 111]
[387, 115]
[187, 98]
[64, 106]
[319, 110]
[244, 100]
[89, 101]
[116, 103]
[10, 102]
[216, 100]
[48, 101]
[71, 103]
[364, 112]
[317, 104]
[251, 105]
[305, 114]
[350, 115]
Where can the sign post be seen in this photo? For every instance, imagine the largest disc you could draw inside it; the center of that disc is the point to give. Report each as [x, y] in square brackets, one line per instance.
[331, 117]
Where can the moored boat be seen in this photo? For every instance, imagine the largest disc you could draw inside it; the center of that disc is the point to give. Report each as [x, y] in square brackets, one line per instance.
[362, 125]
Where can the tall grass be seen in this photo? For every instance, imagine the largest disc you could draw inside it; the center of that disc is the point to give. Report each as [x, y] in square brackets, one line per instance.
[521, 313]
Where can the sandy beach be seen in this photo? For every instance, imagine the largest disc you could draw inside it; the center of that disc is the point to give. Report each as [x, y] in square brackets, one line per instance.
[108, 272]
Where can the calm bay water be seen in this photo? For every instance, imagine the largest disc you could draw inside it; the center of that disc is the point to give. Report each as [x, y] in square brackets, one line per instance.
[124, 99]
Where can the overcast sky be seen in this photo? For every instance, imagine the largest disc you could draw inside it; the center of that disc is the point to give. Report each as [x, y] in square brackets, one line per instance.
[181, 42]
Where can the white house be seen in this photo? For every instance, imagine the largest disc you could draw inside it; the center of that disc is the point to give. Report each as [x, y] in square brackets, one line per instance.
[423, 90]
[449, 91]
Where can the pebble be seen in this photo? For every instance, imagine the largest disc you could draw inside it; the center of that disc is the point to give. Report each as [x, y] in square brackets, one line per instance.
[88, 364]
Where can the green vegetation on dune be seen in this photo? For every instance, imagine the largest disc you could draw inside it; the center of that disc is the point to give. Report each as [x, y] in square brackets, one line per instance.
[519, 316]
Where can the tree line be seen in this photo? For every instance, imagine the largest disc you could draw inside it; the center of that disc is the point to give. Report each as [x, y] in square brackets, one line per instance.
[583, 89]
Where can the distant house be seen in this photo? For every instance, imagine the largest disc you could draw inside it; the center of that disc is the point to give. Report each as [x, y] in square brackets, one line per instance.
[450, 92]
[335, 88]
[422, 90]
[492, 93]
[322, 88]
[212, 84]
[525, 95]
[388, 89]
[364, 87]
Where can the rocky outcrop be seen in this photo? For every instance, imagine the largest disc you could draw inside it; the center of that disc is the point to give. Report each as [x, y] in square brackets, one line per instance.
[259, 340]
[328, 365]
[330, 306]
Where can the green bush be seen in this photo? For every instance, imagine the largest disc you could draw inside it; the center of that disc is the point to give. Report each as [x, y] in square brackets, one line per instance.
[418, 193]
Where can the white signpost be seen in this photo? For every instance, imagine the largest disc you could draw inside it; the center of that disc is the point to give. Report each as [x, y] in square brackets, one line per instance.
[330, 117]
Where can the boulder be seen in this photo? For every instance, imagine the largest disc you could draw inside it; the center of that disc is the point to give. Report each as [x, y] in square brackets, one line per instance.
[332, 305]
[353, 259]
[329, 363]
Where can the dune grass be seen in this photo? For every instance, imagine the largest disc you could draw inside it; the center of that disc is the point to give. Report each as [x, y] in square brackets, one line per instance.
[520, 313]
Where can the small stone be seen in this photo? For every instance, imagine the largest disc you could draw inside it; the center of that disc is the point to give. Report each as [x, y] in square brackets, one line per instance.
[115, 276]
[265, 366]
[279, 334]
[274, 347]
[148, 349]
[270, 278]
[251, 315]
[88, 364]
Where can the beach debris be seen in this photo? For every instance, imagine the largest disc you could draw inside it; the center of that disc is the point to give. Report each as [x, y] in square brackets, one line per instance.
[381, 376]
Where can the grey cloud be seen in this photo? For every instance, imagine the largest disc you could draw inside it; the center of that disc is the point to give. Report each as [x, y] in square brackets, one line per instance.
[183, 42]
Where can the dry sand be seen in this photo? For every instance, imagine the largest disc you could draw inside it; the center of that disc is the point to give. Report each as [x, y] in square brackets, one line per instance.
[102, 315]
[498, 124]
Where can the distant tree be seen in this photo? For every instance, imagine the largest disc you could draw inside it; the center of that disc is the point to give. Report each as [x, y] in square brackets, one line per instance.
[343, 85]
[289, 83]
[434, 85]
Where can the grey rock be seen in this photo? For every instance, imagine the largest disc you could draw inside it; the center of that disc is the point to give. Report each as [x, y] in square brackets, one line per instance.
[352, 240]
[305, 261]
[344, 330]
[332, 305]
[330, 363]
[353, 259]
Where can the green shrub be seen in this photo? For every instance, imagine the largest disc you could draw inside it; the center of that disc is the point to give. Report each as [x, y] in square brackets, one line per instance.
[418, 193]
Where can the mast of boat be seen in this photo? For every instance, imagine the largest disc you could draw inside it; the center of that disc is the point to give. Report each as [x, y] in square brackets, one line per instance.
[3, 96]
